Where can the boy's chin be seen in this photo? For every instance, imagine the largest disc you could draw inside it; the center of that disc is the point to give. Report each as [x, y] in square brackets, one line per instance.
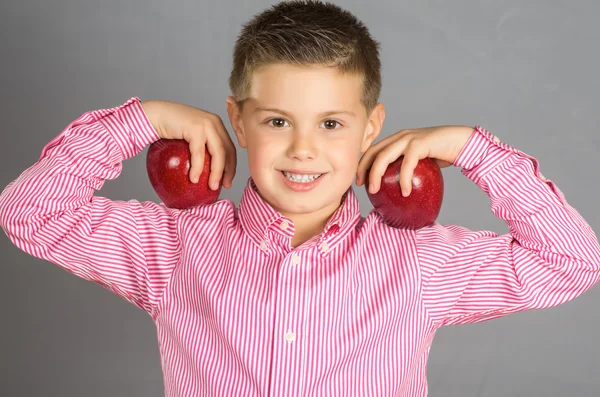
[287, 201]
[306, 204]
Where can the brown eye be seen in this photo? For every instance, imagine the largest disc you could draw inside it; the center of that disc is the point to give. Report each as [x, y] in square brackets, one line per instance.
[277, 123]
[331, 124]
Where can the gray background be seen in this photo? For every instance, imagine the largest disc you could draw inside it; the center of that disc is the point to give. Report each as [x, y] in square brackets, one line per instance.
[526, 70]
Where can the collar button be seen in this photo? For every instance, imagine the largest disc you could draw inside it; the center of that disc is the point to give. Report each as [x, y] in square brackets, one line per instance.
[263, 245]
[295, 259]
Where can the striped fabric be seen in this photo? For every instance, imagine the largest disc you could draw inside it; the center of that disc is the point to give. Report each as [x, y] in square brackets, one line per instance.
[239, 312]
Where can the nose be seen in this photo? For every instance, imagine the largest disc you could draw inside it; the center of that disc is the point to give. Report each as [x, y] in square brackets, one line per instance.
[302, 146]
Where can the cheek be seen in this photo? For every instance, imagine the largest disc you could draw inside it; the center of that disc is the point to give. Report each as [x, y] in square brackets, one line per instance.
[344, 156]
[255, 160]
[261, 154]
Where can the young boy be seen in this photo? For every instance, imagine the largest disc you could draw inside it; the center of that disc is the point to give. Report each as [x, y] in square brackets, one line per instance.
[294, 293]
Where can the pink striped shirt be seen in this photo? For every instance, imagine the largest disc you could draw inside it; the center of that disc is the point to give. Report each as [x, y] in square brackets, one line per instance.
[239, 312]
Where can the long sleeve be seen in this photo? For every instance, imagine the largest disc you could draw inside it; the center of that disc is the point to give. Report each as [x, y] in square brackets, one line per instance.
[50, 211]
[550, 255]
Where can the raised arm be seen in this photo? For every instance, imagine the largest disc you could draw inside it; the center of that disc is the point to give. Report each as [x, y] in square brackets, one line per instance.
[50, 211]
[550, 256]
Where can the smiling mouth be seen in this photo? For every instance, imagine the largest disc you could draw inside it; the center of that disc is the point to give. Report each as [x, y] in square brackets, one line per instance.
[301, 178]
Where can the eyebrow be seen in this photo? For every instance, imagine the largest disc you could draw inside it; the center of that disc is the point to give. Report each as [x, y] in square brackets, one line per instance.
[324, 114]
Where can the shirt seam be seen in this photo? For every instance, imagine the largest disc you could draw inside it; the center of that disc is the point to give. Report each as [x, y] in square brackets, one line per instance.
[160, 304]
[427, 312]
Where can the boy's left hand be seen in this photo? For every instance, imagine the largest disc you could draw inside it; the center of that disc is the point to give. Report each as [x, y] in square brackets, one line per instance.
[442, 143]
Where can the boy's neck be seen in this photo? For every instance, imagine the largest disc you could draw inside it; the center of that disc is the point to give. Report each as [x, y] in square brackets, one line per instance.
[307, 226]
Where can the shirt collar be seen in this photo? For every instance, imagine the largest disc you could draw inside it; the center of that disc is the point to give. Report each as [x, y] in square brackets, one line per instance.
[257, 217]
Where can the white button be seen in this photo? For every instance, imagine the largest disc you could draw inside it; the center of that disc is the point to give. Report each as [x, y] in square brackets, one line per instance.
[284, 225]
[263, 245]
[324, 247]
[496, 139]
[542, 176]
[290, 336]
[295, 259]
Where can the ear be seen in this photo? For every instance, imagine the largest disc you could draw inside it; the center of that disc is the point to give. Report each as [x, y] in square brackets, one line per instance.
[374, 126]
[235, 117]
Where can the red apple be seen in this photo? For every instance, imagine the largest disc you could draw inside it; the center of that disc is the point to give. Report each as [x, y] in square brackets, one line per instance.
[422, 207]
[168, 163]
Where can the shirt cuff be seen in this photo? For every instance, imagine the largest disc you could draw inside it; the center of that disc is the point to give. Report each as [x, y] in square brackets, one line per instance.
[129, 125]
[482, 153]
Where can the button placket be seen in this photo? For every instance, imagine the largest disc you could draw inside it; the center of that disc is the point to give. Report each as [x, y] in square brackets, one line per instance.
[290, 317]
[286, 351]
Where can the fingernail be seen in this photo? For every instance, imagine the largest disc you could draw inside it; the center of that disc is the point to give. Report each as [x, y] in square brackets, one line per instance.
[214, 185]
[194, 179]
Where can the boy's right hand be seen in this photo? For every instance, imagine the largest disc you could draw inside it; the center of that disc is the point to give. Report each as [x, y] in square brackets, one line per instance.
[199, 128]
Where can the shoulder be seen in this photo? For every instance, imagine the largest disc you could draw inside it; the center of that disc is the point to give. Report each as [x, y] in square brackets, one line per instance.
[375, 227]
[435, 235]
[218, 215]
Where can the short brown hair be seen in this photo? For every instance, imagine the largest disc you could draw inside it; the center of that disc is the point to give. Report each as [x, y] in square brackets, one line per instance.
[306, 32]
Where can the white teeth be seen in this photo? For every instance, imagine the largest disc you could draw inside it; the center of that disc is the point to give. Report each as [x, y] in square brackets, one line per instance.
[300, 178]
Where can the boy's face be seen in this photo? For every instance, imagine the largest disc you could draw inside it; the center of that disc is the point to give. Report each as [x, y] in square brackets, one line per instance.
[301, 123]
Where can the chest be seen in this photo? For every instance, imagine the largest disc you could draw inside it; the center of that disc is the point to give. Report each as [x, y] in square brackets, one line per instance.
[298, 306]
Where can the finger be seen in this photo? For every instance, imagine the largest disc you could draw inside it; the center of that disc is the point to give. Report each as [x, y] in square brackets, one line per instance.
[384, 158]
[231, 154]
[230, 167]
[365, 163]
[197, 146]
[407, 169]
[217, 162]
[369, 156]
